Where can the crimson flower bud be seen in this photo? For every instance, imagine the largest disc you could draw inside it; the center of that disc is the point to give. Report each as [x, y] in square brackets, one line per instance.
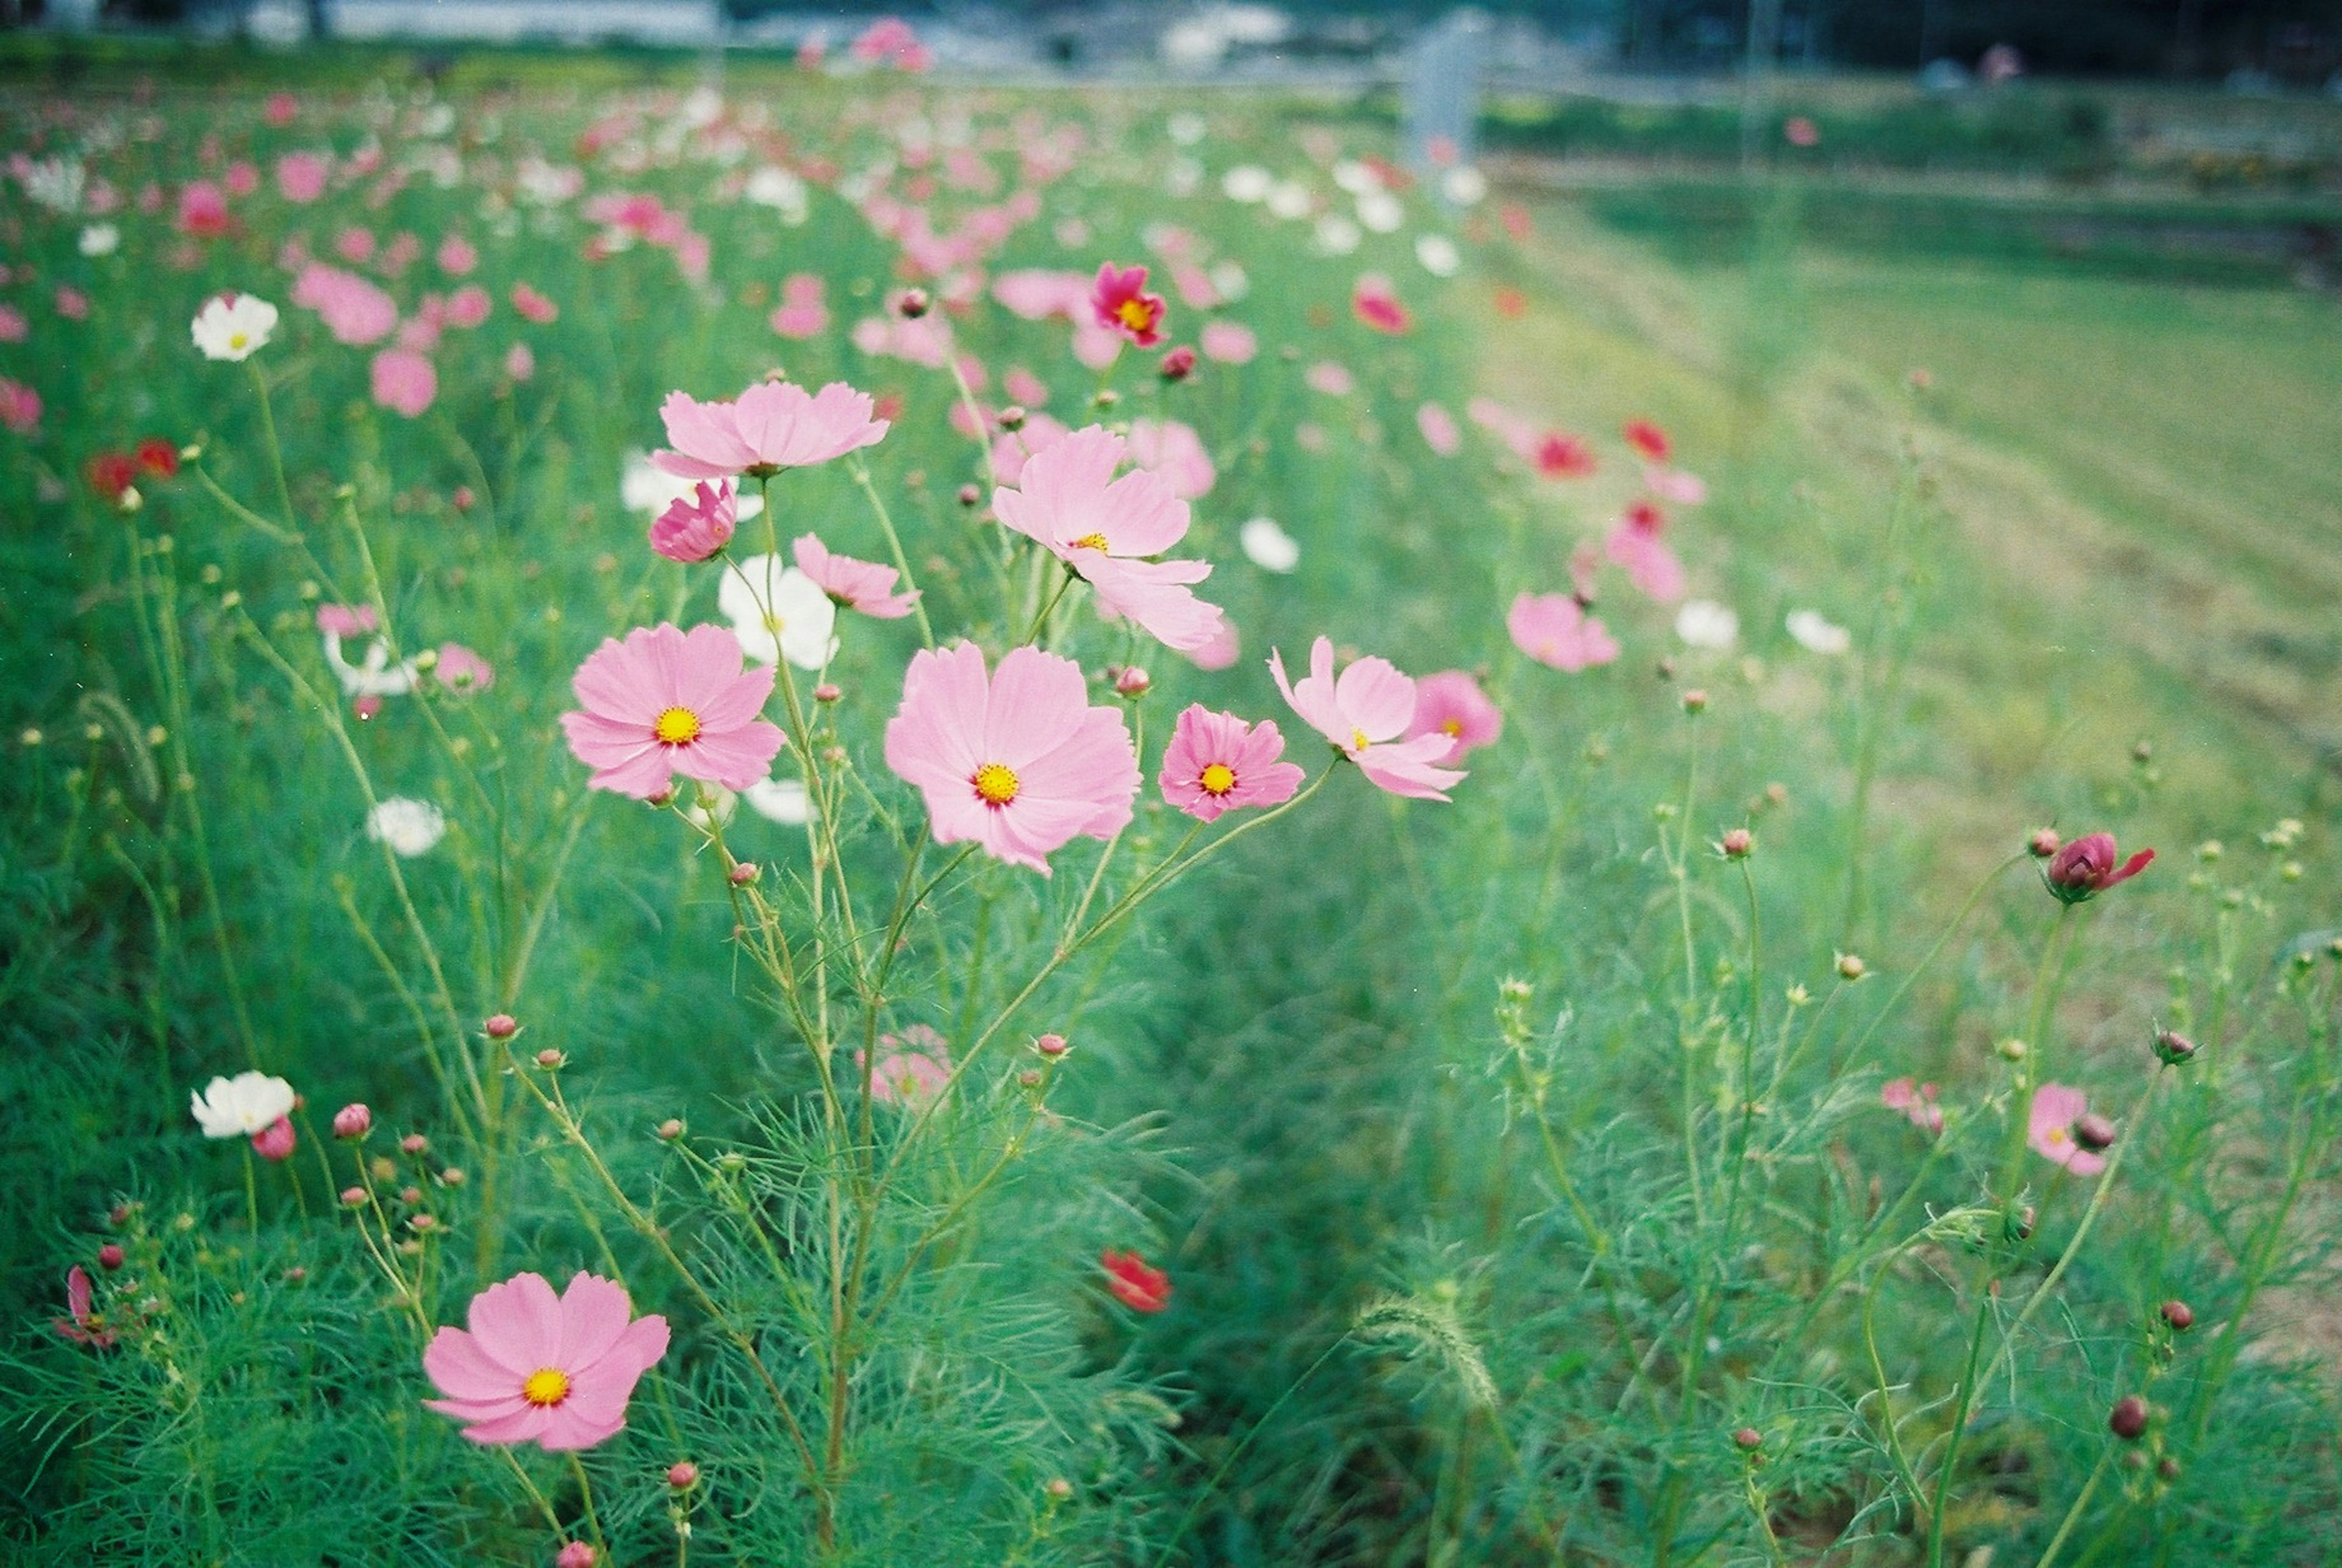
[2085, 867]
[1179, 363]
[1030, 1078]
[2179, 1315]
[501, 1027]
[1748, 1438]
[913, 305]
[463, 498]
[2127, 1420]
[2168, 1467]
[2093, 1132]
[110, 1256]
[352, 1120]
[1050, 1046]
[683, 1475]
[746, 873]
[274, 1142]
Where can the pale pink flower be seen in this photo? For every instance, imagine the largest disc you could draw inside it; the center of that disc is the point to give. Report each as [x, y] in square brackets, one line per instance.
[20, 406]
[695, 526]
[203, 210]
[1917, 1101]
[462, 671]
[354, 245]
[1020, 761]
[664, 701]
[1439, 431]
[1174, 450]
[404, 381]
[1024, 388]
[1634, 544]
[1221, 651]
[1330, 378]
[1675, 484]
[1216, 762]
[1010, 452]
[1103, 528]
[520, 362]
[353, 310]
[801, 319]
[1038, 294]
[2050, 1132]
[535, 1367]
[911, 1065]
[1364, 714]
[772, 425]
[1228, 342]
[1554, 629]
[862, 585]
[533, 305]
[72, 303]
[14, 327]
[468, 307]
[345, 620]
[458, 255]
[1451, 703]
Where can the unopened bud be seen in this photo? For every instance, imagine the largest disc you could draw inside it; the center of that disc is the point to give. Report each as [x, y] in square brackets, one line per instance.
[354, 1197]
[2172, 1048]
[746, 873]
[501, 1027]
[683, 1475]
[2167, 1468]
[1850, 967]
[1131, 682]
[1694, 701]
[1030, 1078]
[549, 1059]
[1178, 364]
[2043, 843]
[1748, 1439]
[1010, 418]
[913, 305]
[827, 692]
[576, 1555]
[415, 1143]
[969, 495]
[1050, 1046]
[352, 1120]
[422, 1225]
[2012, 1049]
[1737, 844]
[453, 1176]
[366, 707]
[1059, 1488]
[671, 1129]
[110, 1256]
[2127, 1420]
[2179, 1315]
[2093, 1132]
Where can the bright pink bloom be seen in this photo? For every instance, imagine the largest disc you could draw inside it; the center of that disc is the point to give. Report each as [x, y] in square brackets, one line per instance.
[1174, 450]
[533, 305]
[1559, 455]
[664, 701]
[1439, 431]
[1374, 302]
[1103, 528]
[468, 307]
[463, 671]
[2056, 1108]
[1648, 439]
[772, 425]
[404, 381]
[2085, 867]
[1365, 714]
[1216, 762]
[535, 1367]
[82, 1324]
[20, 406]
[695, 526]
[276, 1141]
[203, 210]
[353, 310]
[1228, 342]
[1020, 761]
[345, 620]
[1554, 629]
[1120, 302]
[1451, 703]
[1135, 1283]
[1916, 1103]
[862, 585]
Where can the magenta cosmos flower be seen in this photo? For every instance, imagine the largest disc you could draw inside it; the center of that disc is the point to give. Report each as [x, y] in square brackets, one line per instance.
[1120, 302]
[695, 526]
[1216, 762]
[664, 701]
[2085, 867]
[862, 585]
[1452, 704]
[772, 425]
[1553, 629]
[1364, 714]
[1019, 762]
[554, 1371]
[1103, 528]
[2056, 1108]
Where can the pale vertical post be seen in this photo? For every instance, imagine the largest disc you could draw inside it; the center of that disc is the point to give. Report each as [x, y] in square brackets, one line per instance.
[1441, 102]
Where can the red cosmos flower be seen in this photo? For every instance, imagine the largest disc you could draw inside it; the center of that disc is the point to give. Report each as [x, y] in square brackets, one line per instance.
[1374, 303]
[1133, 1283]
[1562, 456]
[1648, 439]
[2086, 868]
[158, 457]
[111, 472]
[1120, 302]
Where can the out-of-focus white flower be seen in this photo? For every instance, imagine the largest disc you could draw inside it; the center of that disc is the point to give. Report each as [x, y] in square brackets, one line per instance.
[781, 190]
[375, 675]
[436, 121]
[1336, 235]
[712, 807]
[410, 827]
[643, 488]
[234, 325]
[1230, 280]
[1246, 182]
[779, 612]
[1465, 185]
[240, 1106]
[1356, 177]
[1816, 635]
[100, 240]
[1269, 546]
[1438, 255]
[1186, 129]
[548, 185]
[1290, 199]
[1183, 177]
[56, 184]
[1705, 624]
[783, 801]
[1381, 212]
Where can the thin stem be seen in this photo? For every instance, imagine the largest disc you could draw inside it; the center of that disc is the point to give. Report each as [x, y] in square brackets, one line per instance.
[2073, 1514]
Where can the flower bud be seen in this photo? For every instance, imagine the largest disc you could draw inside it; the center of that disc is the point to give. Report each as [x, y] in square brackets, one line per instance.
[1059, 1488]
[2172, 1048]
[110, 1256]
[1748, 1439]
[501, 1027]
[550, 1059]
[2093, 1132]
[2043, 843]
[827, 692]
[352, 1120]
[2012, 1049]
[463, 498]
[2179, 1315]
[745, 874]
[1011, 418]
[410, 1194]
[576, 1555]
[422, 1225]
[969, 495]
[415, 1143]
[366, 706]
[1178, 364]
[683, 1475]
[1131, 682]
[2168, 1467]
[1737, 844]
[913, 303]
[354, 1197]
[274, 1142]
[1029, 1079]
[1694, 701]
[453, 1176]
[1850, 967]
[2127, 1420]
[1050, 1046]
[671, 1129]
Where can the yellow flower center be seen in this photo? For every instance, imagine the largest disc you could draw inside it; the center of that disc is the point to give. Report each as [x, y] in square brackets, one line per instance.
[1091, 541]
[235, 340]
[1358, 741]
[548, 1386]
[995, 785]
[1219, 779]
[1453, 727]
[676, 727]
[773, 623]
[1135, 314]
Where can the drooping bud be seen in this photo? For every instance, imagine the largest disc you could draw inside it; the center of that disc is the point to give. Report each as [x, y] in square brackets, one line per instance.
[2093, 1132]
[2179, 1315]
[2127, 1420]
[1178, 364]
[352, 1120]
[2172, 1048]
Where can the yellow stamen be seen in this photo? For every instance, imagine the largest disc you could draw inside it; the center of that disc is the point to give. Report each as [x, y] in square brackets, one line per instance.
[1091, 541]
[676, 727]
[1219, 779]
[235, 340]
[1453, 727]
[1358, 741]
[548, 1386]
[995, 785]
[1135, 314]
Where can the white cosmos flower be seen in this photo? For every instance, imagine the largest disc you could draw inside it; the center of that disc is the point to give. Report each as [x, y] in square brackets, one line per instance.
[1465, 186]
[1336, 235]
[712, 807]
[1183, 177]
[1818, 634]
[100, 240]
[783, 801]
[782, 191]
[1356, 177]
[778, 613]
[1186, 129]
[1289, 199]
[1705, 624]
[240, 1106]
[1269, 546]
[1246, 182]
[234, 325]
[1438, 255]
[1229, 282]
[410, 827]
[56, 184]
[1381, 212]
[642, 488]
[376, 677]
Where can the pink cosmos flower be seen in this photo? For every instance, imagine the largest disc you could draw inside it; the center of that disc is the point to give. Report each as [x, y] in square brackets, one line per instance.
[862, 585]
[1018, 763]
[664, 701]
[1038, 294]
[1675, 484]
[1634, 544]
[1216, 762]
[1451, 703]
[1439, 431]
[82, 1324]
[1174, 450]
[345, 620]
[203, 210]
[772, 425]
[1560, 456]
[1228, 342]
[404, 381]
[1364, 714]
[2085, 867]
[1221, 651]
[458, 255]
[462, 671]
[695, 526]
[354, 245]
[911, 1065]
[533, 305]
[1016, 447]
[1377, 304]
[2050, 1132]
[468, 307]
[1025, 387]
[535, 1367]
[1136, 1283]
[353, 310]
[1331, 378]
[520, 362]
[1648, 439]
[802, 313]
[14, 327]
[1120, 302]
[1916, 1102]
[20, 406]
[1554, 629]
[1103, 528]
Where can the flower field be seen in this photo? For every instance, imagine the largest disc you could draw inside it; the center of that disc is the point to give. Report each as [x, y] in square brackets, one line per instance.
[832, 820]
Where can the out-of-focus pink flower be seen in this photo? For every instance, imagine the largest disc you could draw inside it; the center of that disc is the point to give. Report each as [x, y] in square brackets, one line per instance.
[695, 526]
[520, 362]
[81, 1322]
[404, 381]
[1916, 1102]
[1554, 629]
[276, 1141]
[2085, 867]
[1018, 762]
[1228, 342]
[1801, 132]
[1330, 378]
[1174, 450]
[533, 305]
[457, 257]
[1648, 439]
[241, 179]
[666, 702]
[1634, 544]
[1439, 431]
[1221, 651]
[535, 1367]
[1106, 529]
[1024, 388]
[14, 327]
[1120, 302]
[862, 585]
[301, 176]
[72, 303]
[889, 42]
[2050, 1129]
[772, 425]
[1377, 304]
[1451, 703]
[1135, 1283]
[1216, 762]
[353, 310]
[345, 620]
[1673, 484]
[1364, 714]
[203, 210]
[910, 1066]
[1038, 294]
[1560, 456]
[1015, 447]
[354, 245]
[462, 671]
[468, 307]
[801, 314]
[281, 108]
[20, 406]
